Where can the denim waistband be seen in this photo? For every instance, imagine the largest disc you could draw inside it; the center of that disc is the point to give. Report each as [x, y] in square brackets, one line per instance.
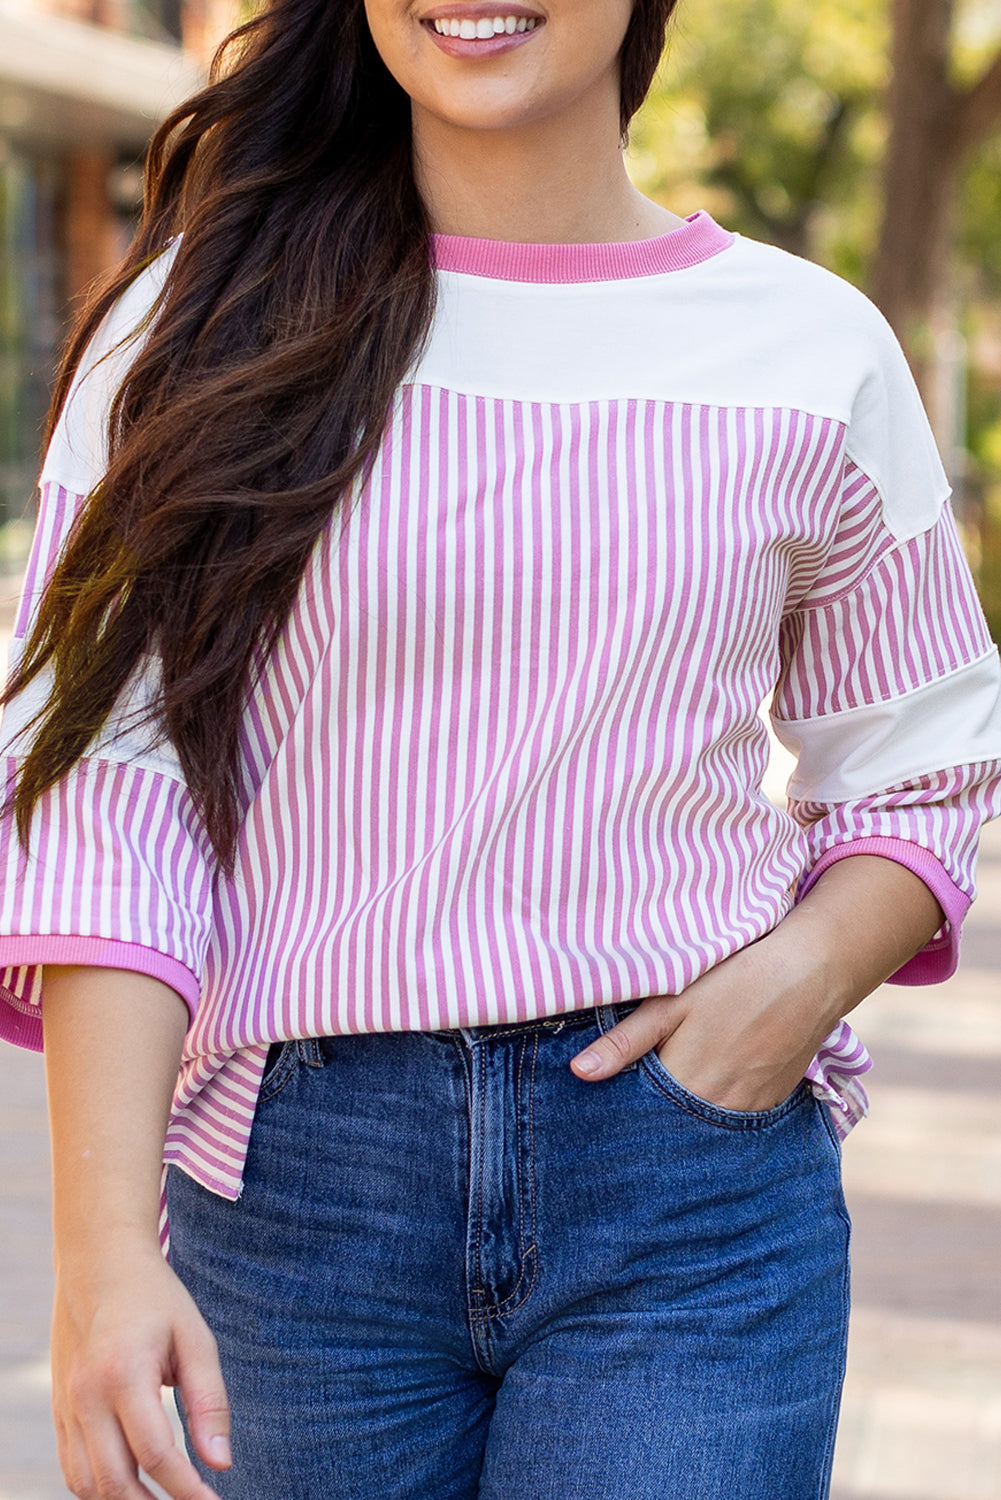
[565, 1020]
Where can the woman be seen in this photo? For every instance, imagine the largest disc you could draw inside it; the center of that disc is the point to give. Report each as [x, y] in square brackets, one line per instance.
[426, 514]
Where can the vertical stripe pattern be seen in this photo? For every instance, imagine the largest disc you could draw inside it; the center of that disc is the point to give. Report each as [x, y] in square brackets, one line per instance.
[506, 760]
[878, 637]
[912, 813]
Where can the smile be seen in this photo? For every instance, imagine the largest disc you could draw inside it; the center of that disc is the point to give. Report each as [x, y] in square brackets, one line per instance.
[468, 32]
[484, 29]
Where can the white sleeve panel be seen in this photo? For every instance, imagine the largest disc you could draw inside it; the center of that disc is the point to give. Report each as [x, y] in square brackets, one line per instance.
[861, 751]
[128, 737]
[77, 455]
[891, 440]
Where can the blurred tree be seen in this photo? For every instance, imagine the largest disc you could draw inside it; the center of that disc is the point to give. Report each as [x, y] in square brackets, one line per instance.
[847, 130]
[938, 262]
[936, 122]
[769, 114]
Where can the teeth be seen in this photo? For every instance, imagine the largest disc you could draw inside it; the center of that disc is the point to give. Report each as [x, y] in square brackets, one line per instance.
[471, 30]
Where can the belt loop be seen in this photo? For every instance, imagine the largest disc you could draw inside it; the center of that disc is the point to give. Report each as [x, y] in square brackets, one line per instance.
[310, 1051]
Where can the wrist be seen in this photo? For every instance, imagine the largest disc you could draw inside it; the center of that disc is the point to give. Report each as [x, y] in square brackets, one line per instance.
[87, 1280]
[792, 967]
[102, 1240]
[96, 1234]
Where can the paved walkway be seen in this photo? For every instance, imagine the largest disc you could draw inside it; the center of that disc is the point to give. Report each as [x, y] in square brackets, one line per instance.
[922, 1410]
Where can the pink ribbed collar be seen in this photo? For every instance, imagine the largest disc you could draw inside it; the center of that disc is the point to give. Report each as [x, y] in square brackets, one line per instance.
[698, 239]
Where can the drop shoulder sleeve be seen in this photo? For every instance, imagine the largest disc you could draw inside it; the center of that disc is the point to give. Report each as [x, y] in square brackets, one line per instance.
[118, 870]
[890, 691]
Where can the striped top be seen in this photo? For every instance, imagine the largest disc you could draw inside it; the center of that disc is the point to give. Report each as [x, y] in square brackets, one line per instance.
[506, 758]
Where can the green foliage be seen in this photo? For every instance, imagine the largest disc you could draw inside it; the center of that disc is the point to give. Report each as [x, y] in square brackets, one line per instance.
[985, 478]
[980, 245]
[989, 570]
[978, 40]
[768, 114]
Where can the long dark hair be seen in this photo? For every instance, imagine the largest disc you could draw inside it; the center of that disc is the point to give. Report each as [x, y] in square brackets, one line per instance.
[301, 293]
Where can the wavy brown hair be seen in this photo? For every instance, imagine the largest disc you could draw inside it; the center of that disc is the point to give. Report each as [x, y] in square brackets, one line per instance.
[301, 292]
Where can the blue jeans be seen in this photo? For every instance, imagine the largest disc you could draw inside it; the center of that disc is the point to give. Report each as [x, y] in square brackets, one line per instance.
[459, 1271]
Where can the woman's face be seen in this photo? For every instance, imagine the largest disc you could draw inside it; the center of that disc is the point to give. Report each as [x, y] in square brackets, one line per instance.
[491, 65]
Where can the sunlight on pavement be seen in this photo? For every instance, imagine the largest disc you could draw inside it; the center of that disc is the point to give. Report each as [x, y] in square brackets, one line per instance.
[960, 1018]
[926, 1144]
[922, 1411]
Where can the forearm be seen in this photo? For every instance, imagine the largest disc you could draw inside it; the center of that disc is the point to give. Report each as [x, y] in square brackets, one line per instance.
[112, 1048]
[123, 1325]
[862, 921]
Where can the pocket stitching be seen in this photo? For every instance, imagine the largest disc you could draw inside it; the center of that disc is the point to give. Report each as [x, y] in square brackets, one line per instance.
[716, 1114]
[278, 1076]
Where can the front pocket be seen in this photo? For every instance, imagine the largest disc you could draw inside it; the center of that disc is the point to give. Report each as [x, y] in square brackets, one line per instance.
[653, 1070]
[283, 1058]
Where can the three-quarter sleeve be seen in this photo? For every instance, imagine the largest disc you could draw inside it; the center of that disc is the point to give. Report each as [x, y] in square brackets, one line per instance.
[117, 871]
[890, 691]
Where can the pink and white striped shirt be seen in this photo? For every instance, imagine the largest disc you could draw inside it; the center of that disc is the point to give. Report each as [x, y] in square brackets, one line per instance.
[506, 759]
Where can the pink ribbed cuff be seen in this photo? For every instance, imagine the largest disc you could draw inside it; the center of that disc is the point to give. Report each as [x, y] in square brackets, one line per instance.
[22, 1024]
[938, 959]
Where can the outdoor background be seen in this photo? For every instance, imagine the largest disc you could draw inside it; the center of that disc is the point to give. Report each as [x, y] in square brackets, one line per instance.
[865, 134]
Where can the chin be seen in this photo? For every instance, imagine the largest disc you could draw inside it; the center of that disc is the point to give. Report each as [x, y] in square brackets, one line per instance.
[479, 111]
[484, 121]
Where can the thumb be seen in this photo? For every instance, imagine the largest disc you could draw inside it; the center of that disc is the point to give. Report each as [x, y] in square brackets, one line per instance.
[650, 1023]
[203, 1391]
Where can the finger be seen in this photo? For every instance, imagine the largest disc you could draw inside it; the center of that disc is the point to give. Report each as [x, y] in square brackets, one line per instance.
[73, 1458]
[150, 1440]
[90, 1448]
[113, 1468]
[651, 1022]
[203, 1391]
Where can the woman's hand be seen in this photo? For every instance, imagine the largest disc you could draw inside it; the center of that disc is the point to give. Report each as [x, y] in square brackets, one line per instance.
[120, 1331]
[735, 1037]
[743, 1034]
[123, 1323]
